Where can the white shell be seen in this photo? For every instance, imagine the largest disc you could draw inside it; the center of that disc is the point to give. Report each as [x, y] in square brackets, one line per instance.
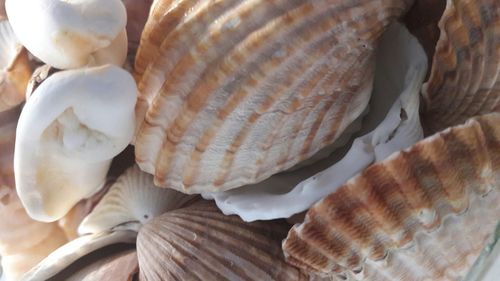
[73, 125]
[401, 67]
[71, 34]
[132, 200]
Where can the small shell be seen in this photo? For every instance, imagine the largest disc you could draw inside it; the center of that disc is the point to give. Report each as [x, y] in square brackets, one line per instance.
[23, 241]
[200, 243]
[235, 91]
[384, 220]
[464, 78]
[133, 200]
[15, 71]
[72, 251]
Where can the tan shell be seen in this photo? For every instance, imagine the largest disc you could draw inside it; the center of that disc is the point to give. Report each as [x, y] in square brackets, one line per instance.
[23, 241]
[200, 243]
[385, 220]
[464, 78]
[15, 71]
[232, 92]
[8, 123]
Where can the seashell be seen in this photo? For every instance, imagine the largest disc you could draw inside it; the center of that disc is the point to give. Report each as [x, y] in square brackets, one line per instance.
[200, 243]
[8, 123]
[107, 264]
[74, 250]
[464, 78]
[131, 201]
[424, 213]
[15, 70]
[232, 92]
[392, 124]
[23, 241]
[137, 14]
[68, 132]
[71, 34]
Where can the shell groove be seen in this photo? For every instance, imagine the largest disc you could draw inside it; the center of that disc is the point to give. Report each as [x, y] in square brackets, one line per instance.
[464, 80]
[368, 226]
[232, 92]
[200, 243]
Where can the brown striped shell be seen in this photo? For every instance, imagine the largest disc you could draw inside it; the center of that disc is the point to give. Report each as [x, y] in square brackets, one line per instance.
[423, 214]
[232, 92]
[464, 80]
[198, 242]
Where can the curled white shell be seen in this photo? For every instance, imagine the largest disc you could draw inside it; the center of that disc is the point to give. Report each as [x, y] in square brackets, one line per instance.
[15, 71]
[401, 67]
[70, 34]
[132, 200]
[74, 250]
[69, 130]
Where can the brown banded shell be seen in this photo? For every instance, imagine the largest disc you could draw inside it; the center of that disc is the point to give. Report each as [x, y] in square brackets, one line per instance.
[423, 214]
[464, 78]
[198, 242]
[232, 92]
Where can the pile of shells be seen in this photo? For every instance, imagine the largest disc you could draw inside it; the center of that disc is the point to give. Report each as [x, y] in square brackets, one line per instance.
[248, 139]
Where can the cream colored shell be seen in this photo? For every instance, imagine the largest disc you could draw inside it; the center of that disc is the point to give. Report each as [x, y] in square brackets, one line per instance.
[232, 92]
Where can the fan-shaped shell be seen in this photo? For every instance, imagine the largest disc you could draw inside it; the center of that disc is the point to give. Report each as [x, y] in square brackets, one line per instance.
[232, 92]
[132, 199]
[200, 243]
[15, 71]
[464, 79]
[385, 219]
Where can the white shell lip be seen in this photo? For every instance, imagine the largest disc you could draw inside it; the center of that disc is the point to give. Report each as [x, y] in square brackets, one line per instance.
[66, 34]
[131, 201]
[401, 69]
[68, 132]
[73, 250]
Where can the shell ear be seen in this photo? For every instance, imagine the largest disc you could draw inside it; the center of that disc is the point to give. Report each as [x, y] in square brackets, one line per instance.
[69, 130]
[130, 202]
[71, 34]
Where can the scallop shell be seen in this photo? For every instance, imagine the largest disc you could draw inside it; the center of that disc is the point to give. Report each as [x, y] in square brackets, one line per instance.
[200, 243]
[232, 92]
[132, 200]
[23, 241]
[423, 214]
[15, 70]
[464, 78]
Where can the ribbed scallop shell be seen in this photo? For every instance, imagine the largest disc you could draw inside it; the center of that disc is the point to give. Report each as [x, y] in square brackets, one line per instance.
[15, 71]
[200, 243]
[423, 214]
[232, 92]
[464, 80]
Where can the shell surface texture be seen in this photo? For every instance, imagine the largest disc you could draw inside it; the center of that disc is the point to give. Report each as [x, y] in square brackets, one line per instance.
[425, 213]
[464, 80]
[15, 71]
[232, 92]
[198, 242]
